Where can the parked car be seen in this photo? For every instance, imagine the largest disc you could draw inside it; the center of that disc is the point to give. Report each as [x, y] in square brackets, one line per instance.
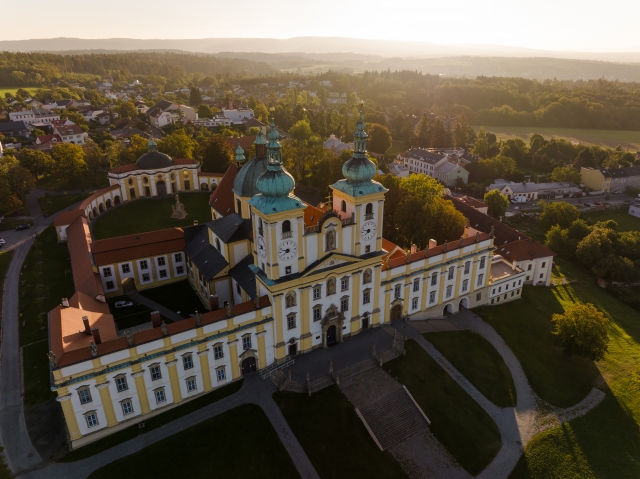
[2, 241]
[577, 195]
[588, 204]
[597, 203]
[23, 226]
[123, 304]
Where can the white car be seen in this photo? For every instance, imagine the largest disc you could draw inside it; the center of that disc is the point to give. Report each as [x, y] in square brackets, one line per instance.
[123, 304]
[2, 241]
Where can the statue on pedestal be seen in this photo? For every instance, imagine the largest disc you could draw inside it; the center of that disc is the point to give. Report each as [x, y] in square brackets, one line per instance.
[178, 210]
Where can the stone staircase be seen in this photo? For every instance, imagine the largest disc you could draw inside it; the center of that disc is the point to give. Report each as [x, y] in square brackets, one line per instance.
[393, 418]
[275, 367]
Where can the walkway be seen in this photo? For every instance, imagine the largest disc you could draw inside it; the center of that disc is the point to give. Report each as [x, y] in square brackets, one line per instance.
[167, 313]
[253, 391]
[517, 425]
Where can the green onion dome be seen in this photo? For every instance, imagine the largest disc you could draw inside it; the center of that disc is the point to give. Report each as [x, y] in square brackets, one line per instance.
[276, 181]
[359, 167]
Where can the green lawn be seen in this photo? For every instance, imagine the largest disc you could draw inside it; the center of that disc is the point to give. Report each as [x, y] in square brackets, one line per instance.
[13, 89]
[625, 221]
[396, 148]
[178, 296]
[5, 260]
[606, 138]
[237, 444]
[457, 421]
[151, 214]
[50, 204]
[35, 364]
[605, 443]
[47, 279]
[151, 423]
[334, 438]
[479, 362]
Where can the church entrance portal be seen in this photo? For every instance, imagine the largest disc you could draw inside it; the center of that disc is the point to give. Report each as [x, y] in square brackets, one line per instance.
[248, 365]
[396, 312]
[161, 187]
[332, 336]
[293, 349]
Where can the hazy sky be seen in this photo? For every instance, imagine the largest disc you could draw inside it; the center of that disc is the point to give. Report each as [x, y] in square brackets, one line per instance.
[609, 25]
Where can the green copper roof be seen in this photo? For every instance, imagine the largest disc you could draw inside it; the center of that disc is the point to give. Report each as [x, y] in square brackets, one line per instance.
[152, 145]
[356, 189]
[269, 204]
[245, 182]
[239, 153]
[260, 139]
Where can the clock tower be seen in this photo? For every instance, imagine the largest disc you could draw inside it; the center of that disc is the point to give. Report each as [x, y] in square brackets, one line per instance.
[360, 199]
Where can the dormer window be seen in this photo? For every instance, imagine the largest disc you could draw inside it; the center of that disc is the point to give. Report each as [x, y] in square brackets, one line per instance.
[286, 229]
[218, 244]
[368, 212]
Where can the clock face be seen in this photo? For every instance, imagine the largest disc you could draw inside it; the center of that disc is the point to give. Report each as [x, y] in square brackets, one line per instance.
[368, 230]
[287, 250]
[262, 248]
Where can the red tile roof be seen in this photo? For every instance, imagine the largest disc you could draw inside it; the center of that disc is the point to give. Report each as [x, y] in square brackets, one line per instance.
[67, 217]
[97, 194]
[245, 142]
[221, 199]
[143, 245]
[124, 168]
[469, 201]
[79, 242]
[312, 215]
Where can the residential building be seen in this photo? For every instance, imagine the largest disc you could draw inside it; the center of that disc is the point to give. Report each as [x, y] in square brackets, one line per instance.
[506, 281]
[238, 116]
[610, 180]
[337, 145]
[397, 168]
[533, 191]
[14, 128]
[334, 98]
[166, 113]
[70, 133]
[435, 164]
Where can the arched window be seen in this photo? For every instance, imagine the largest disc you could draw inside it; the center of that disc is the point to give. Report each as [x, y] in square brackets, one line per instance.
[330, 240]
[218, 244]
[368, 210]
[366, 277]
[290, 299]
[286, 226]
[331, 286]
[343, 206]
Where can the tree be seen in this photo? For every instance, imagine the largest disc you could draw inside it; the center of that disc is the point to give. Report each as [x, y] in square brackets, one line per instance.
[75, 117]
[422, 186]
[70, 163]
[566, 174]
[301, 131]
[514, 148]
[128, 110]
[214, 154]
[177, 145]
[595, 246]
[204, 112]
[195, 97]
[35, 161]
[379, 138]
[481, 146]
[497, 202]
[582, 331]
[94, 157]
[558, 213]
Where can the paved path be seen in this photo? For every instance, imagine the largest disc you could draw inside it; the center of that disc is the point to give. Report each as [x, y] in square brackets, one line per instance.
[253, 391]
[517, 425]
[167, 313]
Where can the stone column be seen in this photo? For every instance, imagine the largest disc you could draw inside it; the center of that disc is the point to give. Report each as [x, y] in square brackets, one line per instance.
[173, 378]
[204, 366]
[233, 356]
[69, 416]
[262, 348]
[141, 389]
[107, 403]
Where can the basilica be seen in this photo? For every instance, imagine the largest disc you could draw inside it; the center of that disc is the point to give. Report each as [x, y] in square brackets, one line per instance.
[277, 277]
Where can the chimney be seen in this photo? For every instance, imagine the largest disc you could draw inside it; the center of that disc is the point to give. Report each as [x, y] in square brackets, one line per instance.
[432, 243]
[65, 303]
[87, 328]
[414, 249]
[195, 222]
[155, 319]
[230, 104]
[214, 304]
[95, 332]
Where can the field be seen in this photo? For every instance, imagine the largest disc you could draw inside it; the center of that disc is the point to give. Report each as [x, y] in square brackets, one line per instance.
[605, 443]
[12, 90]
[606, 138]
[151, 214]
[625, 221]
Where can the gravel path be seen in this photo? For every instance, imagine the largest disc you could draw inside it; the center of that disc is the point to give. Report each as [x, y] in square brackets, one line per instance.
[517, 425]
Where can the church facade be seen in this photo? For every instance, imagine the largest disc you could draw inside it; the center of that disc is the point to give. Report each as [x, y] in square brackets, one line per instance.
[277, 277]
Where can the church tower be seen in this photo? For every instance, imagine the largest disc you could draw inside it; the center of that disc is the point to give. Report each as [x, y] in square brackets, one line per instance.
[360, 199]
[277, 217]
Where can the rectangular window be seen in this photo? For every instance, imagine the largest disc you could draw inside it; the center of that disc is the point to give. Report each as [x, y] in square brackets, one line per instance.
[542, 276]
[85, 395]
[450, 273]
[144, 264]
[110, 285]
[145, 277]
[155, 373]
[529, 268]
[238, 290]
[92, 420]
[191, 385]
[316, 292]
[432, 297]
[434, 279]
[518, 292]
[160, 397]
[246, 343]
[177, 257]
[127, 408]
[367, 249]
[414, 303]
[467, 267]
[106, 272]
[180, 270]
[316, 313]
[366, 297]
[482, 262]
[121, 384]
[221, 374]
[480, 279]
[465, 285]
[491, 300]
[506, 296]
[397, 290]
[291, 322]
[344, 304]
[416, 285]
[512, 293]
[500, 289]
[187, 361]
[449, 290]
[527, 278]
[478, 296]
[162, 273]
[161, 261]
[344, 284]
[287, 270]
[218, 353]
[126, 269]
[544, 263]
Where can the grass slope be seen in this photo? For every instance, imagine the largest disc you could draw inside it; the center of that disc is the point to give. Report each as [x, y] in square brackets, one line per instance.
[151, 423]
[150, 214]
[333, 436]
[5, 260]
[98, 181]
[605, 443]
[605, 138]
[457, 421]
[238, 443]
[625, 221]
[51, 204]
[479, 362]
